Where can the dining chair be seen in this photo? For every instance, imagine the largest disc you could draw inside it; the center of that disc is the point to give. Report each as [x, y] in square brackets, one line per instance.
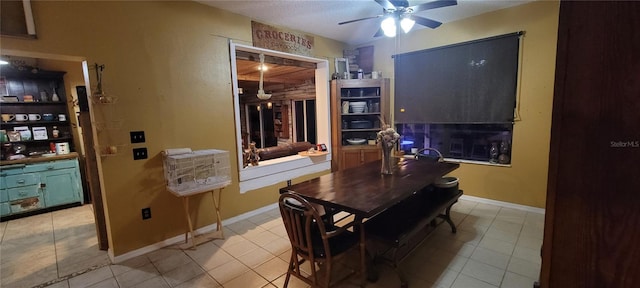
[312, 241]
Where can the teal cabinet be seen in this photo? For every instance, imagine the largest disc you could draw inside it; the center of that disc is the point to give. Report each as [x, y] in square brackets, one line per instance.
[27, 187]
[4, 209]
[61, 186]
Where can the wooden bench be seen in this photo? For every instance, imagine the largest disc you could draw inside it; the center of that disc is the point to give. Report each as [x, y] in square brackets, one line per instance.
[395, 232]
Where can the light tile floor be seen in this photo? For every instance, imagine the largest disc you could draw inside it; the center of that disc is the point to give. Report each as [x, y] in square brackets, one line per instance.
[46, 247]
[494, 247]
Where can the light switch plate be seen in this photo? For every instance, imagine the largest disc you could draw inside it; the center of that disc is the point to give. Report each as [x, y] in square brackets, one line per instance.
[137, 136]
[146, 213]
[139, 153]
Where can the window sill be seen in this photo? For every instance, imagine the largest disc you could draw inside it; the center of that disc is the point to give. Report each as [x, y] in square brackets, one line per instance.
[454, 160]
[475, 162]
[281, 169]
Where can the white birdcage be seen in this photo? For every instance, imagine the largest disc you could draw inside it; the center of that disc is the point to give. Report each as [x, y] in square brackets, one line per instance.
[189, 172]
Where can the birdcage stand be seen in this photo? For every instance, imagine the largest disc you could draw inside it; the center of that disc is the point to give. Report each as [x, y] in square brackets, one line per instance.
[205, 237]
[190, 173]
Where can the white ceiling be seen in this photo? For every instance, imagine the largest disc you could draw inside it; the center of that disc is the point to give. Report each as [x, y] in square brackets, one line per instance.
[321, 17]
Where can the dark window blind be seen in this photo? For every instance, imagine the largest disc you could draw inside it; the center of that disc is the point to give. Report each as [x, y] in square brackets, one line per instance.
[469, 82]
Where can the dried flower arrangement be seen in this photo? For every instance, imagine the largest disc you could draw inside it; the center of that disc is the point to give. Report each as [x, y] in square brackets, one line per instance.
[387, 136]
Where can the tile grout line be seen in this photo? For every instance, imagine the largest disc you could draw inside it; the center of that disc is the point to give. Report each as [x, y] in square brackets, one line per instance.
[72, 275]
[55, 249]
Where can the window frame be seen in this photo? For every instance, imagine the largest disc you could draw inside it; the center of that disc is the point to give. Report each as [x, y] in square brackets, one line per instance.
[305, 118]
[274, 171]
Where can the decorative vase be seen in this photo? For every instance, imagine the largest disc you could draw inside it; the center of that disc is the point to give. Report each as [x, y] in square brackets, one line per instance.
[386, 158]
[55, 97]
[504, 153]
[493, 153]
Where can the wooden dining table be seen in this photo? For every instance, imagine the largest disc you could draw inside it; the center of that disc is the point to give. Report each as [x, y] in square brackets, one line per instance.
[364, 192]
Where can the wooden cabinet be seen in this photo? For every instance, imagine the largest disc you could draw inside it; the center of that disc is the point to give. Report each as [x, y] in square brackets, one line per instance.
[357, 108]
[353, 157]
[29, 187]
[30, 105]
[591, 231]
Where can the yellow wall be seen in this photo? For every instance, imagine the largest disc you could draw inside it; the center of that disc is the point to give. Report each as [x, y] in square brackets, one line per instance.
[167, 62]
[525, 182]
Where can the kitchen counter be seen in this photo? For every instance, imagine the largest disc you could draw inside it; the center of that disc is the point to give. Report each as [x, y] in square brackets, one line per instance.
[38, 159]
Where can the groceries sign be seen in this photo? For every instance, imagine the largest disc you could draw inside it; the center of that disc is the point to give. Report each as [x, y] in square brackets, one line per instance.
[269, 37]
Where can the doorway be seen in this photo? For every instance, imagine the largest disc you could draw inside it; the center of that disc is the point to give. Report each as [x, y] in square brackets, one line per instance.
[76, 86]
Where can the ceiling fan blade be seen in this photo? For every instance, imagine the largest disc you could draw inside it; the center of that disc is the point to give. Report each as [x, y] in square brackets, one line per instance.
[356, 20]
[426, 22]
[433, 5]
[386, 4]
[379, 33]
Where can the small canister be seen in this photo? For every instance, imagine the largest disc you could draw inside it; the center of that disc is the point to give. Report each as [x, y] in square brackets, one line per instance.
[62, 148]
[360, 74]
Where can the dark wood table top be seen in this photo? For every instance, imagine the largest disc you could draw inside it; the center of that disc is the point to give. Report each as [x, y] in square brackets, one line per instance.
[366, 192]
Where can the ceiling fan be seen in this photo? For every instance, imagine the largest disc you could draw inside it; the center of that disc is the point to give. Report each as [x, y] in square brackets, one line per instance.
[395, 11]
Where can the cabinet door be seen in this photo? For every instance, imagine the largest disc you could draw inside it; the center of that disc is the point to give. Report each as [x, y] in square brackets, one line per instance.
[350, 158]
[4, 206]
[4, 209]
[370, 155]
[60, 187]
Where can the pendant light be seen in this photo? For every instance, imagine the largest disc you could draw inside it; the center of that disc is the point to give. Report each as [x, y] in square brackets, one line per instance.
[261, 95]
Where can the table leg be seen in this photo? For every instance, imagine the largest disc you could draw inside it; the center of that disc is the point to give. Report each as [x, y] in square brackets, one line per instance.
[363, 251]
[447, 217]
[185, 203]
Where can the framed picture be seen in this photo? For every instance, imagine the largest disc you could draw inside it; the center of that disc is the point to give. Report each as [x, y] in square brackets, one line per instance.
[25, 133]
[39, 133]
[14, 136]
[342, 68]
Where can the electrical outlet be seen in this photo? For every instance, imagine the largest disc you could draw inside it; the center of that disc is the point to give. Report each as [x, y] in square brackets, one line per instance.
[146, 213]
[137, 136]
[139, 153]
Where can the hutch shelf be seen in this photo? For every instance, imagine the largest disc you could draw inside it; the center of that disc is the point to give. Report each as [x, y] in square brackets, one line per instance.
[358, 107]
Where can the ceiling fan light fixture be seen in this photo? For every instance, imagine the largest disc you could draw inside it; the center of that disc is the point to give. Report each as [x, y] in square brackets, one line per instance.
[388, 26]
[407, 23]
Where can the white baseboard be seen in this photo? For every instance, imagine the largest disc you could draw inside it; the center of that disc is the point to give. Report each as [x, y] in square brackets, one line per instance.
[503, 204]
[180, 238]
[212, 227]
